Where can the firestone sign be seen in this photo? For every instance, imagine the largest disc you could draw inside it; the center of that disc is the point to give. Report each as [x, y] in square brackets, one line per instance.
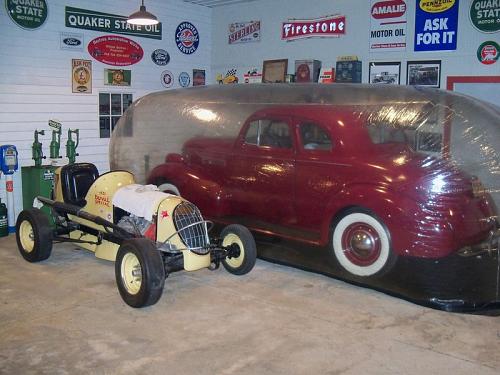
[388, 25]
[29, 14]
[485, 15]
[108, 23]
[330, 26]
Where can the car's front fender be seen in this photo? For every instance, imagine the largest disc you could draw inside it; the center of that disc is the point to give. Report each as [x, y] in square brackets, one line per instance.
[193, 185]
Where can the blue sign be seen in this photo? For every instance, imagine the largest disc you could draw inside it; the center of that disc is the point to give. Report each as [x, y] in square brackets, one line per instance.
[184, 79]
[436, 25]
[187, 38]
[160, 57]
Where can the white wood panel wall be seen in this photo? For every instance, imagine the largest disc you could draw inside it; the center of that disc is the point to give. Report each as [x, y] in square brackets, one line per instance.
[35, 76]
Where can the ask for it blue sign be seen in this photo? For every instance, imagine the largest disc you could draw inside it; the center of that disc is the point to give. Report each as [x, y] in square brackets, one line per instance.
[436, 25]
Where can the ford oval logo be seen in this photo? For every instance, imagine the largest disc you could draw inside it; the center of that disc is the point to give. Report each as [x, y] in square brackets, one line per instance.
[72, 42]
[160, 57]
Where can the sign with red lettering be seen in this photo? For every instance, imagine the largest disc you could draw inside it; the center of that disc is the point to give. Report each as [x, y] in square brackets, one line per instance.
[9, 186]
[244, 32]
[115, 50]
[388, 25]
[329, 26]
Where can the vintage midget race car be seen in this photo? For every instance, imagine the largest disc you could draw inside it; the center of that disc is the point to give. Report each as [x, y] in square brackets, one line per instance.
[149, 233]
[324, 175]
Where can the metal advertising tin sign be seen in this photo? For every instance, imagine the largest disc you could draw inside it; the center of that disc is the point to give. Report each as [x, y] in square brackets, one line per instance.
[81, 76]
[115, 50]
[108, 23]
[388, 25]
[184, 79]
[117, 77]
[28, 14]
[329, 26]
[244, 32]
[187, 38]
[160, 57]
[485, 15]
[72, 41]
[488, 52]
[198, 77]
[436, 24]
[167, 78]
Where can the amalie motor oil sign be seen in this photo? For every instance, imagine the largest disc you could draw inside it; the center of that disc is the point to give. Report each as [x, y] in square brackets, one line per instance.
[115, 50]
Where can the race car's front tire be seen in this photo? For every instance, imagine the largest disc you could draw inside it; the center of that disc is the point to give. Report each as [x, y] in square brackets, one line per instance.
[362, 244]
[34, 235]
[139, 272]
[240, 237]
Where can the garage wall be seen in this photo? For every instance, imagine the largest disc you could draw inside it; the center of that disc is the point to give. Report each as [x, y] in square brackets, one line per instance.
[463, 61]
[35, 75]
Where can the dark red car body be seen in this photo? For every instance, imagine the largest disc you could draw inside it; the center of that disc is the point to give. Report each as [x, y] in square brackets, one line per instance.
[428, 206]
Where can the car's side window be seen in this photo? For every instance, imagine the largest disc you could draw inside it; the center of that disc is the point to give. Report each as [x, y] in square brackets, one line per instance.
[269, 133]
[314, 137]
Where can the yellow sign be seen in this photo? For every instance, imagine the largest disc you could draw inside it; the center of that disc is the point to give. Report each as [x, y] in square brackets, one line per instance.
[436, 6]
[347, 58]
[81, 76]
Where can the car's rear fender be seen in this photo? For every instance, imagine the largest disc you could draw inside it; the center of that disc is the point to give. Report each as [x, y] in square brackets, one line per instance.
[393, 209]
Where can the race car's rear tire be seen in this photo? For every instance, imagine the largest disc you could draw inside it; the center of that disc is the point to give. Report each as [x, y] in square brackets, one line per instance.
[139, 272]
[362, 244]
[240, 237]
[34, 235]
[169, 188]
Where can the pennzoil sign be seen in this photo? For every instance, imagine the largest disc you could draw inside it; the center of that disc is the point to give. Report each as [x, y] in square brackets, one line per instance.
[329, 26]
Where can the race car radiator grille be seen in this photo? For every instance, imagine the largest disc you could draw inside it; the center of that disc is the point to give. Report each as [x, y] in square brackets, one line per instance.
[191, 227]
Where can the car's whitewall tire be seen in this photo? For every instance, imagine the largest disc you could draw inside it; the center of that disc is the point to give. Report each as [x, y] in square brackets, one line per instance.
[362, 245]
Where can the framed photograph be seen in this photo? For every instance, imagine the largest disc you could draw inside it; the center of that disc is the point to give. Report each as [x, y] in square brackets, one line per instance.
[424, 73]
[117, 77]
[388, 73]
[274, 71]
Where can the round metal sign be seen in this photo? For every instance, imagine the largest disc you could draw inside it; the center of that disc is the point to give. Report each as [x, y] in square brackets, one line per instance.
[485, 15]
[184, 79]
[488, 52]
[167, 78]
[187, 38]
[27, 14]
[160, 57]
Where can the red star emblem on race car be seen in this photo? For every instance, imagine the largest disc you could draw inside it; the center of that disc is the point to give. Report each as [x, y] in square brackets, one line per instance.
[164, 214]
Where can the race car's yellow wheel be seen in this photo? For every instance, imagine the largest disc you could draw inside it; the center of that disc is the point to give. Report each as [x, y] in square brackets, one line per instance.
[139, 272]
[237, 237]
[231, 239]
[131, 272]
[34, 235]
[26, 236]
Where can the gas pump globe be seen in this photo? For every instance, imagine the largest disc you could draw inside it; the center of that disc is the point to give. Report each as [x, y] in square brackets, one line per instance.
[8, 165]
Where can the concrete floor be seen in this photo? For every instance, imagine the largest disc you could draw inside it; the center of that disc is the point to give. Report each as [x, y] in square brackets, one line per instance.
[65, 316]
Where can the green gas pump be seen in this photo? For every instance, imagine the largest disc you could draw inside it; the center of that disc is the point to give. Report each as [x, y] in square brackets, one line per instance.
[71, 145]
[55, 144]
[36, 149]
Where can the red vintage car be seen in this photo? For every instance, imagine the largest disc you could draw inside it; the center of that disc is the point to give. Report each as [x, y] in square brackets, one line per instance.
[324, 175]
